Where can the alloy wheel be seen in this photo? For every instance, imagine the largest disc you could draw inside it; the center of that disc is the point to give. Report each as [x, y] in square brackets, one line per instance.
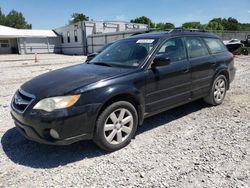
[219, 90]
[118, 126]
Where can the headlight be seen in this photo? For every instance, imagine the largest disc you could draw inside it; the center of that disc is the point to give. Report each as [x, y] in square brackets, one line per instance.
[53, 103]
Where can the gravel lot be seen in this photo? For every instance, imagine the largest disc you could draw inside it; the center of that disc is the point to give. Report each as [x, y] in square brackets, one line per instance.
[191, 146]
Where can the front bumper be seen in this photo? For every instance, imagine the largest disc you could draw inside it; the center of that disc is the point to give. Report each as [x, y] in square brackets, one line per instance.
[31, 134]
[72, 124]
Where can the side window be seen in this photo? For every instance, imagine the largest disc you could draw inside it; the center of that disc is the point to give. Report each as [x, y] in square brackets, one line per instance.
[62, 39]
[173, 49]
[4, 43]
[68, 37]
[149, 47]
[75, 35]
[215, 45]
[196, 47]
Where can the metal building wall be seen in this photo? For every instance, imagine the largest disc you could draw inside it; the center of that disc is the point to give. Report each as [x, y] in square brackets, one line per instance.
[88, 28]
[99, 27]
[97, 41]
[72, 47]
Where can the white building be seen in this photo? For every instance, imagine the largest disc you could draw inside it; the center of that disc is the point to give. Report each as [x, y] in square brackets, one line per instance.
[26, 41]
[76, 39]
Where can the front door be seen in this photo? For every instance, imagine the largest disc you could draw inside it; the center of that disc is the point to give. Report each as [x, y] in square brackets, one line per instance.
[169, 85]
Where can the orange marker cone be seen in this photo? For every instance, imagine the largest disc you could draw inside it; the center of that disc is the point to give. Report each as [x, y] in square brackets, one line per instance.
[36, 59]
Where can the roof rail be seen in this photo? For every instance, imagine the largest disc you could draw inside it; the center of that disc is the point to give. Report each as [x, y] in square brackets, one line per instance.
[142, 32]
[181, 29]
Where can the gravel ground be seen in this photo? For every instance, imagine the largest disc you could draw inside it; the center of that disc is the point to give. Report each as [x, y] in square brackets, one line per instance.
[190, 146]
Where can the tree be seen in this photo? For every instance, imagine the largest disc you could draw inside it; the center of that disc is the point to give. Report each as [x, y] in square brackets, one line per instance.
[16, 20]
[164, 26]
[2, 18]
[219, 20]
[244, 26]
[192, 25]
[214, 25]
[143, 20]
[230, 24]
[169, 26]
[78, 17]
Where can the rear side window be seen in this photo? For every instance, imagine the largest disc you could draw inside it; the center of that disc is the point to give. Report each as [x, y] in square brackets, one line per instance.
[196, 47]
[215, 45]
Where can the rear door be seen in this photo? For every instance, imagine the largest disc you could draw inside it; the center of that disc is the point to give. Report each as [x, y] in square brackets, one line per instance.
[202, 66]
[169, 85]
[219, 51]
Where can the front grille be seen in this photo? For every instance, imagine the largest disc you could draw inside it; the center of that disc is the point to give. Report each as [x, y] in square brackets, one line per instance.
[22, 100]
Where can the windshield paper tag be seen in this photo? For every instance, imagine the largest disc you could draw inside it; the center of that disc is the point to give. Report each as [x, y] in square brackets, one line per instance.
[145, 41]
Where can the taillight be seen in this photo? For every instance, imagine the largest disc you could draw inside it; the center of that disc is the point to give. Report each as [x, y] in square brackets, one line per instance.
[232, 55]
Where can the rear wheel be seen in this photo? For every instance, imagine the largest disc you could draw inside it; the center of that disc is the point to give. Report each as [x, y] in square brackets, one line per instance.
[116, 125]
[218, 91]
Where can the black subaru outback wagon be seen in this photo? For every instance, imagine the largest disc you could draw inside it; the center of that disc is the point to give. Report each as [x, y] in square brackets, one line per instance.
[134, 78]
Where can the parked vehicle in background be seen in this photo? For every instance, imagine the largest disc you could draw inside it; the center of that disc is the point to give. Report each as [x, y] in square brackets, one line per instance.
[247, 41]
[246, 49]
[135, 78]
[238, 47]
[233, 45]
[92, 55]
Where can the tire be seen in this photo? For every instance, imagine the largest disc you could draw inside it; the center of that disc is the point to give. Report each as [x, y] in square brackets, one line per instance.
[116, 126]
[245, 52]
[218, 91]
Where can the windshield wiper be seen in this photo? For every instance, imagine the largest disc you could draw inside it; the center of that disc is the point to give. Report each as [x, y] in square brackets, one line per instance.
[102, 63]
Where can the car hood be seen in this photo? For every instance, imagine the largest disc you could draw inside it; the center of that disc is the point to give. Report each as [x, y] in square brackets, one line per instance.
[65, 80]
[93, 54]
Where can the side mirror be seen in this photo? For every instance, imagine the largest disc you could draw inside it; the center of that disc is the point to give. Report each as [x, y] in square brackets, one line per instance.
[161, 61]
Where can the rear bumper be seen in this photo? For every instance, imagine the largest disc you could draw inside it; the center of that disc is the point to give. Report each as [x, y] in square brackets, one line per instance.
[232, 74]
[72, 125]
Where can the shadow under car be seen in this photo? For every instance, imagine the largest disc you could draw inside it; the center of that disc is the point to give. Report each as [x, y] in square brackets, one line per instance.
[35, 155]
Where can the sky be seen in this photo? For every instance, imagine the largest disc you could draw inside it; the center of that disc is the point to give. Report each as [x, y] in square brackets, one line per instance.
[50, 14]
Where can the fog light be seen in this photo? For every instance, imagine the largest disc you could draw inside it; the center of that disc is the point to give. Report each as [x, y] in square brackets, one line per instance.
[54, 134]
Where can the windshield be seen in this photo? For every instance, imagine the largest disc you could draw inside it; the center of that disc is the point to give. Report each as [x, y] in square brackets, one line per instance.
[104, 47]
[127, 53]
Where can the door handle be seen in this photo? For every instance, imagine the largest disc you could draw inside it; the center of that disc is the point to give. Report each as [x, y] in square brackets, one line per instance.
[186, 70]
[213, 63]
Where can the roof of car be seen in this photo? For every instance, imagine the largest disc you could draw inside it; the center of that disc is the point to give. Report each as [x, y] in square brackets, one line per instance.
[172, 33]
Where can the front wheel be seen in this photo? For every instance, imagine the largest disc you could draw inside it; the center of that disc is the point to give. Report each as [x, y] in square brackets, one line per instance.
[218, 91]
[116, 126]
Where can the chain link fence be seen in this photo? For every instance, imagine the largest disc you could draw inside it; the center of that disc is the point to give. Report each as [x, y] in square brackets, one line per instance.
[228, 35]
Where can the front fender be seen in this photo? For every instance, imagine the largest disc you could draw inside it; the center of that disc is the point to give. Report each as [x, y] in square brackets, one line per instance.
[116, 90]
[112, 92]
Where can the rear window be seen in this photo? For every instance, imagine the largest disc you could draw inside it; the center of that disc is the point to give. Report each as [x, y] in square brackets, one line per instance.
[215, 45]
[196, 47]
